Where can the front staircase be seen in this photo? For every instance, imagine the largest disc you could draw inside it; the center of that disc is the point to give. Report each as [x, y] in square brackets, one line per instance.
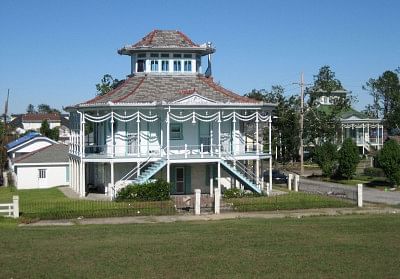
[241, 172]
[149, 169]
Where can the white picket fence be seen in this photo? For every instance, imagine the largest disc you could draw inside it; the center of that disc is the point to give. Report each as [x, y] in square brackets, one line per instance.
[11, 209]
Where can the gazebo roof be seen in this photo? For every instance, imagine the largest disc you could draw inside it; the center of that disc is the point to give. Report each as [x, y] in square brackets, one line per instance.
[166, 40]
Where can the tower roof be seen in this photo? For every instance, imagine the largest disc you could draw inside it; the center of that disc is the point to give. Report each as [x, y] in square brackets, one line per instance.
[166, 40]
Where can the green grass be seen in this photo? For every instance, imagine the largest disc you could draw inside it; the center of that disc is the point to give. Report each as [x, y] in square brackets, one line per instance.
[289, 201]
[52, 204]
[319, 247]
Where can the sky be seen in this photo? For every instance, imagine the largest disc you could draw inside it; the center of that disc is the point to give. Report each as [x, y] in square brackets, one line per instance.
[54, 52]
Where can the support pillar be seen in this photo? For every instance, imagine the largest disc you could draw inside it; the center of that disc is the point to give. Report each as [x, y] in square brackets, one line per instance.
[217, 201]
[363, 132]
[219, 135]
[83, 179]
[211, 180]
[258, 172]
[219, 177]
[257, 147]
[197, 193]
[112, 182]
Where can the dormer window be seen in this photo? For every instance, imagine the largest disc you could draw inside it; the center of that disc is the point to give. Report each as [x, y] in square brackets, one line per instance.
[187, 66]
[165, 65]
[154, 65]
[177, 66]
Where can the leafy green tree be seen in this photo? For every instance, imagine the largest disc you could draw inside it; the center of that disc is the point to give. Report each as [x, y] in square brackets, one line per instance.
[389, 161]
[348, 159]
[286, 123]
[107, 84]
[55, 133]
[385, 91]
[326, 156]
[45, 129]
[322, 123]
[30, 109]
[45, 108]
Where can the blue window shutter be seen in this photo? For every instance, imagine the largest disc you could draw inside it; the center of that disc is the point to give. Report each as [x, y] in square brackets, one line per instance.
[188, 182]
[172, 179]
[208, 173]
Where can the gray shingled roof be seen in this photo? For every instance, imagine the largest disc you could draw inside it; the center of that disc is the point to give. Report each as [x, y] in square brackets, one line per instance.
[55, 153]
[168, 88]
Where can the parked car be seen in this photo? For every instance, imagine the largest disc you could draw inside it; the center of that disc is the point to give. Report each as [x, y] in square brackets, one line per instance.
[277, 176]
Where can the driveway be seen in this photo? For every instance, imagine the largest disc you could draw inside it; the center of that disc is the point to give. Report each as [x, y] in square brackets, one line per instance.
[369, 194]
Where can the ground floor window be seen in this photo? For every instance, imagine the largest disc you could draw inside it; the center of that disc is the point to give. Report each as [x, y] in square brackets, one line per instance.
[180, 179]
[42, 173]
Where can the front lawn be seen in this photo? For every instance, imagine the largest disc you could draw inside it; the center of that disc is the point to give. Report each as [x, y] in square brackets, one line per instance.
[52, 204]
[319, 247]
[289, 201]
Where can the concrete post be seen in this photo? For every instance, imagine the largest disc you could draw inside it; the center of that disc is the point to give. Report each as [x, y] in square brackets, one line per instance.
[290, 177]
[217, 202]
[296, 182]
[197, 193]
[360, 195]
[5, 179]
[268, 190]
[16, 206]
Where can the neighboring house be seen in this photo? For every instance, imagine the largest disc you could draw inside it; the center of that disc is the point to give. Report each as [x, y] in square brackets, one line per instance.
[168, 120]
[33, 121]
[44, 168]
[31, 142]
[366, 132]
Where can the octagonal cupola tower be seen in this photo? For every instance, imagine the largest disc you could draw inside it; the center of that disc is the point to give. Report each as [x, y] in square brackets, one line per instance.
[171, 52]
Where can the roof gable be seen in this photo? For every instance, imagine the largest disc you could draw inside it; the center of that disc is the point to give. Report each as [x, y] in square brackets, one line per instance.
[56, 153]
[21, 140]
[194, 99]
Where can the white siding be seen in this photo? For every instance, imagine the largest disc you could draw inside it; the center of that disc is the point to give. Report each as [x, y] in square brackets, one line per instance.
[28, 176]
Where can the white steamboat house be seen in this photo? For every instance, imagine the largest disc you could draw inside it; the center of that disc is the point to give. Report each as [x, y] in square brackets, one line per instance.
[168, 120]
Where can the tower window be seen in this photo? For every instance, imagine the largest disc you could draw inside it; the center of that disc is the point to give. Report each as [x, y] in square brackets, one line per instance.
[165, 65]
[154, 65]
[177, 55]
[141, 65]
[164, 55]
[154, 55]
[187, 67]
[177, 66]
[141, 55]
[187, 55]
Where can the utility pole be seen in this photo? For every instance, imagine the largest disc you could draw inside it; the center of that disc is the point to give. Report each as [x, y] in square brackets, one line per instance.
[301, 121]
[301, 124]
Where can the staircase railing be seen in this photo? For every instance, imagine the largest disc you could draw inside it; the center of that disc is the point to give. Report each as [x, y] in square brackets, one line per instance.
[243, 169]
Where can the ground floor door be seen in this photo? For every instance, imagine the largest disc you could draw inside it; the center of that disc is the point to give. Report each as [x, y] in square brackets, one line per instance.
[181, 179]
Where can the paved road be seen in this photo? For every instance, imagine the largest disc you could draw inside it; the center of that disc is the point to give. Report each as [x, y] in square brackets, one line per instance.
[369, 195]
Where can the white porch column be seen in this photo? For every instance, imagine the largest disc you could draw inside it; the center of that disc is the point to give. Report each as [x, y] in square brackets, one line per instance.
[219, 177]
[258, 172]
[112, 182]
[382, 135]
[363, 131]
[219, 135]
[257, 147]
[69, 173]
[83, 179]
[112, 135]
[138, 169]
[342, 133]
[270, 152]
[72, 181]
[378, 140]
[234, 133]
[138, 132]
[211, 139]
[211, 180]
[168, 147]
[83, 134]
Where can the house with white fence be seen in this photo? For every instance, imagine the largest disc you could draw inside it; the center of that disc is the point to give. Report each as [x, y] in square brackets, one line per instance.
[170, 120]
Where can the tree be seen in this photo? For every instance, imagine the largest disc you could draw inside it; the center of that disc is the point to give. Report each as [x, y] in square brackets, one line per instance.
[348, 159]
[325, 156]
[389, 161]
[385, 91]
[322, 123]
[45, 108]
[30, 109]
[45, 129]
[107, 84]
[286, 123]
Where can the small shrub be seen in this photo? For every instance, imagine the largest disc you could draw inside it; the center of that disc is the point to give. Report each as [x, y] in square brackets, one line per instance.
[326, 158]
[389, 161]
[374, 172]
[348, 159]
[233, 193]
[150, 191]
